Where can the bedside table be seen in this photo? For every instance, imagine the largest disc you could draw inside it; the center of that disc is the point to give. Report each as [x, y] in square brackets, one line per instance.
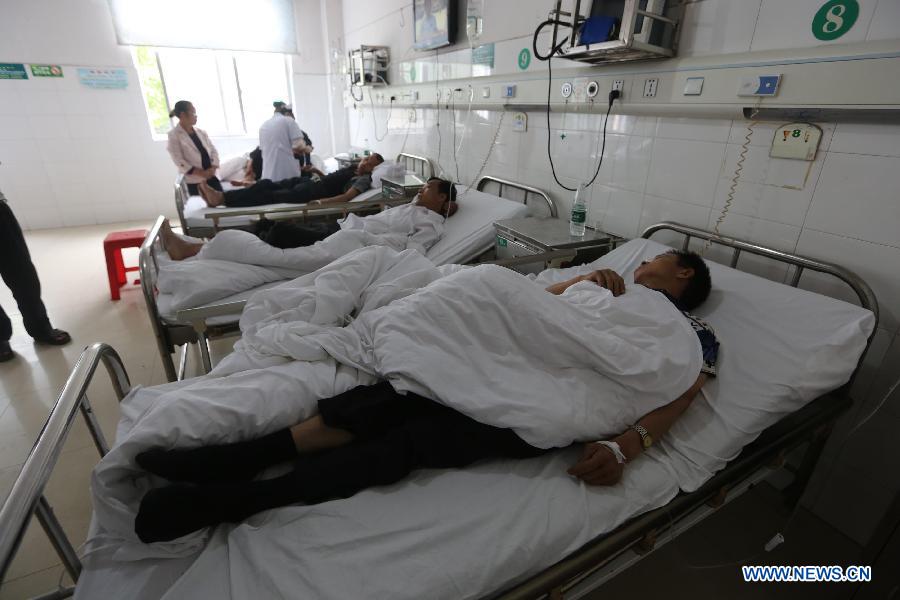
[529, 235]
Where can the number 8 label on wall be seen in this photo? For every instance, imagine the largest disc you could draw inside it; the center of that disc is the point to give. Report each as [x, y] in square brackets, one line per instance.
[834, 19]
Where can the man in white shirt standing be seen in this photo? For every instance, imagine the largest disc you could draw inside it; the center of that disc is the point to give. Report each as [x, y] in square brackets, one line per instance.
[278, 138]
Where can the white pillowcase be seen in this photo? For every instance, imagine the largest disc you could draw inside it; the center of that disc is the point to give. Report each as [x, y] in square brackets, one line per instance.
[781, 347]
[388, 168]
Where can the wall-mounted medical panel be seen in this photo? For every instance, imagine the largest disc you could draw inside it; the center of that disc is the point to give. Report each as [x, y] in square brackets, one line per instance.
[845, 82]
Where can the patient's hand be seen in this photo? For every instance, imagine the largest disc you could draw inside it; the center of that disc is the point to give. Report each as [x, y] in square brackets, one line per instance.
[607, 278]
[598, 466]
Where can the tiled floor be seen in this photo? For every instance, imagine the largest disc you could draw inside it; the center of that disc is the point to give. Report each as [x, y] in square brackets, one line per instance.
[73, 276]
[70, 262]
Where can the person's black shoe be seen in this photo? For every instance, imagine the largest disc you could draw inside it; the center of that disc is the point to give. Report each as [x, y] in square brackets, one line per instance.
[54, 337]
[6, 353]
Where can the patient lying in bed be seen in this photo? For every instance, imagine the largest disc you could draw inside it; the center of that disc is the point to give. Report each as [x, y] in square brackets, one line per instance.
[417, 225]
[373, 435]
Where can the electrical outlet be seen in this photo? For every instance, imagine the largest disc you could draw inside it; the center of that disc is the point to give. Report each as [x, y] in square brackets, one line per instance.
[593, 88]
[618, 84]
[650, 86]
[411, 115]
[566, 89]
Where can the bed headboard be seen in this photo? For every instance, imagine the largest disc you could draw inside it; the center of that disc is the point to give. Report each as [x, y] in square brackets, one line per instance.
[529, 193]
[420, 165]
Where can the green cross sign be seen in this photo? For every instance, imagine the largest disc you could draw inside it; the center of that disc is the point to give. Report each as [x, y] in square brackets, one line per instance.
[524, 58]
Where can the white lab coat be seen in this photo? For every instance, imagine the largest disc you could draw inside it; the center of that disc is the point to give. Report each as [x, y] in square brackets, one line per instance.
[277, 137]
[406, 226]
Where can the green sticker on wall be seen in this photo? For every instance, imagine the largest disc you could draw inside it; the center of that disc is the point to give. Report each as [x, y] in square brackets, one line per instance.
[524, 58]
[834, 19]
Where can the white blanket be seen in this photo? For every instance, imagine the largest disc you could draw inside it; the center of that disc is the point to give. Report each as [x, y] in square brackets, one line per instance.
[483, 340]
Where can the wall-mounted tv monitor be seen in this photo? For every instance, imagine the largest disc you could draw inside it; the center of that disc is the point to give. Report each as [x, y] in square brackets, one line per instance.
[435, 23]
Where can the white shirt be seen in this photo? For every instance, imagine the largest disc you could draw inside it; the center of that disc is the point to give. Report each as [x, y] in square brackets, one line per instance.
[277, 137]
[401, 227]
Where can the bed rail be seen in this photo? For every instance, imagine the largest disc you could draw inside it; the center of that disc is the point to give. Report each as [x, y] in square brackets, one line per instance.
[811, 424]
[168, 336]
[420, 165]
[27, 495]
[505, 184]
[305, 210]
[181, 198]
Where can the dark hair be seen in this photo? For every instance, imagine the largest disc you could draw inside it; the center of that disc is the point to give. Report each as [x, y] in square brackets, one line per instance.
[182, 106]
[698, 286]
[446, 187]
[282, 107]
[379, 157]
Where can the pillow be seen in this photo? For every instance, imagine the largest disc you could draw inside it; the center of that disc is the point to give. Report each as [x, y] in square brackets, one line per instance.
[781, 347]
[232, 168]
[388, 168]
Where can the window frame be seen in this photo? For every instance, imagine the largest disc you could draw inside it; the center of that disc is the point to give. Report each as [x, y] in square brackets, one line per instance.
[232, 58]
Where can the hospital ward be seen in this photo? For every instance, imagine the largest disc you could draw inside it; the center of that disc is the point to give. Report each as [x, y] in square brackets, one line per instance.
[449, 299]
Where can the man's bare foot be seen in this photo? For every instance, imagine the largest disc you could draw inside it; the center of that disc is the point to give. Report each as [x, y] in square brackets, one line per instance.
[212, 197]
[177, 248]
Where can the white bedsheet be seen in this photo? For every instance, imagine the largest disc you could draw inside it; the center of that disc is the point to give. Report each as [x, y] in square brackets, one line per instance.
[466, 533]
[467, 233]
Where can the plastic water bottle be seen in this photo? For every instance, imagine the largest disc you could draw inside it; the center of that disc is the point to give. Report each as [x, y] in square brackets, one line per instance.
[579, 213]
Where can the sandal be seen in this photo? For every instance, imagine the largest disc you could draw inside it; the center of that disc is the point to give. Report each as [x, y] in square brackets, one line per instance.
[54, 337]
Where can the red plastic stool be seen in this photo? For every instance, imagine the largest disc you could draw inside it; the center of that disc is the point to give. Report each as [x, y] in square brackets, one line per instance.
[115, 267]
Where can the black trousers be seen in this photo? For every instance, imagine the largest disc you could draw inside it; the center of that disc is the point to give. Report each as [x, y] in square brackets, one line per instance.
[283, 234]
[213, 182]
[297, 190]
[20, 277]
[395, 434]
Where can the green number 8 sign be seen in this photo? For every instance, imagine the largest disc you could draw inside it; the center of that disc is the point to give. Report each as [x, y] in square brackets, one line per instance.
[834, 19]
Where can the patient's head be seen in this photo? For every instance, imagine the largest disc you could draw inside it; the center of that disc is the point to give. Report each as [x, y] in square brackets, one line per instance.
[368, 164]
[684, 275]
[438, 195]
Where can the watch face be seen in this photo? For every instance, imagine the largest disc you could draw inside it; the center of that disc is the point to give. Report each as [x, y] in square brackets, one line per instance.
[647, 441]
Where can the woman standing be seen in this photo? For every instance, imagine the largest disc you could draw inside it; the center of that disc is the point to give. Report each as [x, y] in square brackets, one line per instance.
[191, 150]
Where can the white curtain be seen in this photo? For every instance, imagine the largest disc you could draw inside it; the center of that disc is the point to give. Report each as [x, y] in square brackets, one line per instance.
[255, 25]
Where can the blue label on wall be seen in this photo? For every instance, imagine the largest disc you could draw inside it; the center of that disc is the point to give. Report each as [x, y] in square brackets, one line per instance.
[13, 71]
[106, 79]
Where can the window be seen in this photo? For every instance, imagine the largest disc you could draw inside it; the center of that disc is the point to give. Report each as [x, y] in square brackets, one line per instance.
[232, 91]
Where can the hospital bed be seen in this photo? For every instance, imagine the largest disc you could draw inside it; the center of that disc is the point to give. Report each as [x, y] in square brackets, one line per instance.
[514, 529]
[467, 236]
[199, 220]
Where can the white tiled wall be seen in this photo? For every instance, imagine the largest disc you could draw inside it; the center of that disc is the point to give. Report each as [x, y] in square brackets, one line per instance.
[842, 207]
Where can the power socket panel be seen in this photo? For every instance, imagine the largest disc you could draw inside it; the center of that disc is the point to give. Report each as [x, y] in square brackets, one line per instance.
[650, 87]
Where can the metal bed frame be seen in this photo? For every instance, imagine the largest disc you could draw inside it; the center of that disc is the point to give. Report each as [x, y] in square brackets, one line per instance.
[418, 164]
[812, 423]
[193, 323]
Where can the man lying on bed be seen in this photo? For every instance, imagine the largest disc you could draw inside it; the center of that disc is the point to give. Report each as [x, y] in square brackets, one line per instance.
[341, 186]
[373, 435]
[418, 225]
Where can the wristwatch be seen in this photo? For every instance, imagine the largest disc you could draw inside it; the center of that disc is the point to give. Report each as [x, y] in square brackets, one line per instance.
[646, 438]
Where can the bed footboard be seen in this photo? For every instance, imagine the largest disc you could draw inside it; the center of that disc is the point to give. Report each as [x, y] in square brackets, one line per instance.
[27, 495]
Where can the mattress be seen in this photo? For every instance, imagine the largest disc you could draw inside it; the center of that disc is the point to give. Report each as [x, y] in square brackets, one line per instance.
[466, 533]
